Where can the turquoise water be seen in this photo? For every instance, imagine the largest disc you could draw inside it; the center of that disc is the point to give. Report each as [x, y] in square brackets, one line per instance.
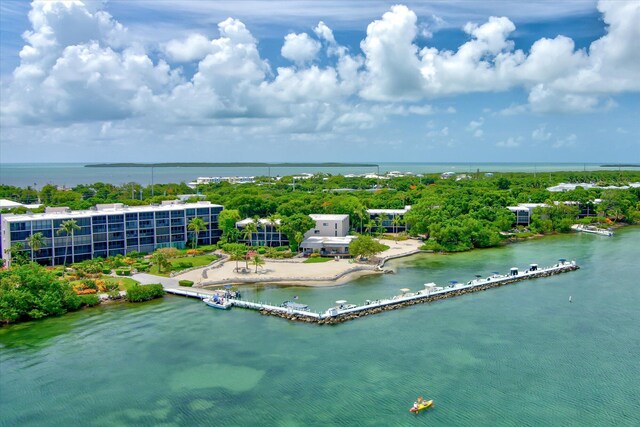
[71, 174]
[520, 355]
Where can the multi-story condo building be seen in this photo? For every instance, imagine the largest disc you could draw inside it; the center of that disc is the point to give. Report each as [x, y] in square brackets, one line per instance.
[109, 230]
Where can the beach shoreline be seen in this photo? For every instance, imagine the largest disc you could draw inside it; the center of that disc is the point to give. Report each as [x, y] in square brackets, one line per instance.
[296, 272]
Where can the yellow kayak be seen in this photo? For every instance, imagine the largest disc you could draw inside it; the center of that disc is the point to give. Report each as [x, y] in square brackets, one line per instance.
[421, 406]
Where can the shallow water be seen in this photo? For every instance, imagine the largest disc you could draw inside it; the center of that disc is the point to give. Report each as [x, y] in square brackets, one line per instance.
[516, 355]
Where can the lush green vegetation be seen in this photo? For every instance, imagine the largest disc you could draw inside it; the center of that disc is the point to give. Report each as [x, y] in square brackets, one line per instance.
[139, 293]
[166, 260]
[366, 246]
[122, 283]
[32, 292]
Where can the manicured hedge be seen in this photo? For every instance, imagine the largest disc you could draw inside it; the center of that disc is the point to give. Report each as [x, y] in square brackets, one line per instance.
[139, 293]
[187, 283]
[123, 272]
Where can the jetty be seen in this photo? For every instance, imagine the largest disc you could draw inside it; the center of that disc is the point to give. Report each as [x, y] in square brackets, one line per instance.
[431, 292]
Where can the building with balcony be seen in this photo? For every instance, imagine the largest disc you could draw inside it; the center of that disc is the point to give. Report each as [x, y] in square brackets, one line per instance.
[109, 230]
[267, 233]
[392, 219]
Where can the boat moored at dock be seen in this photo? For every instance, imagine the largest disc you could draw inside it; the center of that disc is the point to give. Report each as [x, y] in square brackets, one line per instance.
[343, 311]
[592, 230]
[218, 302]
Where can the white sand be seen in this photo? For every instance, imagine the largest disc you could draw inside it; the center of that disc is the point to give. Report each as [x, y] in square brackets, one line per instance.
[296, 271]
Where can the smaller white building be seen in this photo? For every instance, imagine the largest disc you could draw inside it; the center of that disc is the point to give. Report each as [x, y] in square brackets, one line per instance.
[329, 226]
[329, 236]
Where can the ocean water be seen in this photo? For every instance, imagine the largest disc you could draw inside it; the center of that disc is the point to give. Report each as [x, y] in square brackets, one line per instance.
[71, 174]
[519, 355]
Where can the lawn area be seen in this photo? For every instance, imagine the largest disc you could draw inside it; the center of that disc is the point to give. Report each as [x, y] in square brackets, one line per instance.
[185, 262]
[316, 260]
[124, 282]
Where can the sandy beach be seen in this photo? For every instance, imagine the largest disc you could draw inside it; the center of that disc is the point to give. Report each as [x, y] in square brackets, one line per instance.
[295, 271]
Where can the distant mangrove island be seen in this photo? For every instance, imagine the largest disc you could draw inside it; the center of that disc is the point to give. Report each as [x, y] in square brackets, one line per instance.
[234, 165]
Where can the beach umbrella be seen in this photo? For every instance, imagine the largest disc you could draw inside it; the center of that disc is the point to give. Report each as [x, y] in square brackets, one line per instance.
[478, 275]
[495, 272]
[405, 290]
[341, 301]
[562, 259]
[453, 282]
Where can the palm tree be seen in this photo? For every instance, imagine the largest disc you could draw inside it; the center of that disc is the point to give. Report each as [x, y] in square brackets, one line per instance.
[35, 242]
[197, 225]
[257, 261]
[380, 228]
[237, 256]
[369, 225]
[275, 226]
[68, 227]
[16, 254]
[396, 221]
[262, 225]
[160, 259]
[249, 229]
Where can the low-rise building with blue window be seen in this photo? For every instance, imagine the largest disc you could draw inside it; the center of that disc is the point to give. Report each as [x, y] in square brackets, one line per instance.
[109, 230]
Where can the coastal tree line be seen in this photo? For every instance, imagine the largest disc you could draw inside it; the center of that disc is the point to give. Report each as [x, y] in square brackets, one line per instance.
[464, 212]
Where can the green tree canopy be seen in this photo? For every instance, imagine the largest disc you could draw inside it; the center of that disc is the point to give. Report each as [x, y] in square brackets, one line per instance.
[365, 246]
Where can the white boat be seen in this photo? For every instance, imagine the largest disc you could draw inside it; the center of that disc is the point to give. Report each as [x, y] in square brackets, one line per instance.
[591, 229]
[218, 302]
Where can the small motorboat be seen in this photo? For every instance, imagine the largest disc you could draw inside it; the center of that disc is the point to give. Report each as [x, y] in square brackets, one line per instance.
[425, 404]
[218, 302]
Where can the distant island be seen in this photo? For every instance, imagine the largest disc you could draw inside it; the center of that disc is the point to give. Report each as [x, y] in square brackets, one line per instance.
[621, 165]
[222, 165]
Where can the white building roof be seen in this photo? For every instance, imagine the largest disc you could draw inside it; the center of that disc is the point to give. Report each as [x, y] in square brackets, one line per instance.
[246, 221]
[526, 206]
[106, 209]
[8, 204]
[319, 241]
[389, 211]
[563, 186]
[320, 217]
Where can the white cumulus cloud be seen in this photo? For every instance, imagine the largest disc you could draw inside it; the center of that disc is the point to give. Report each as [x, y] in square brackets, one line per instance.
[300, 48]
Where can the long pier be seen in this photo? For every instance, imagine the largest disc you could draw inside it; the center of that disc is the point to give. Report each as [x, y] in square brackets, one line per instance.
[431, 293]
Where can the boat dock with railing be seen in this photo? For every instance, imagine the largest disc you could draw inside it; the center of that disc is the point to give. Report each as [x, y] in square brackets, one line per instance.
[431, 292]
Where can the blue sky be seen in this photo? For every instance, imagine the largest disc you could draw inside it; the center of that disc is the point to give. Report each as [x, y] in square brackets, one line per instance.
[466, 81]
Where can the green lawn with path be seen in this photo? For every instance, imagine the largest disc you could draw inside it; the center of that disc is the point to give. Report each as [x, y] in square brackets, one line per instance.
[316, 260]
[125, 281]
[183, 263]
